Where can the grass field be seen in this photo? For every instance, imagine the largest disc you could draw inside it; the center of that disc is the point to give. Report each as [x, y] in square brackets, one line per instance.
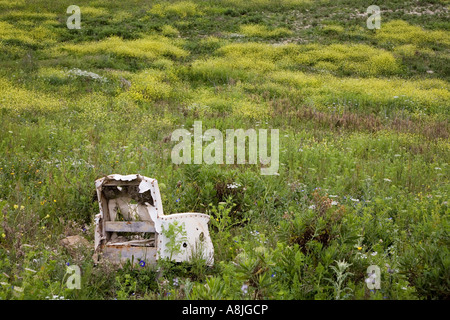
[363, 117]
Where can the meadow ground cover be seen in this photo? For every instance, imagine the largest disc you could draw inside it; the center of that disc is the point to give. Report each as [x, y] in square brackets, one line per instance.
[364, 144]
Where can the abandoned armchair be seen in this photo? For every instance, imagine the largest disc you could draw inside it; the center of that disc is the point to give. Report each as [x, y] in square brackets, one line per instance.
[132, 226]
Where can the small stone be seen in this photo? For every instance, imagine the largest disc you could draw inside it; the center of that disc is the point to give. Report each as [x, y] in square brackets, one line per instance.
[72, 243]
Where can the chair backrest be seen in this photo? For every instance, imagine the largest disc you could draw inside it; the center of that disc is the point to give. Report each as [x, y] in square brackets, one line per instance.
[118, 191]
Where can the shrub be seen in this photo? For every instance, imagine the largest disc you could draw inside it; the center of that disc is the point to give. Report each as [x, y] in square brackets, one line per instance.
[35, 37]
[350, 59]
[181, 9]
[169, 31]
[332, 29]
[401, 32]
[274, 5]
[224, 70]
[147, 48]
[254, 30]
[149, 85]
[17, 99]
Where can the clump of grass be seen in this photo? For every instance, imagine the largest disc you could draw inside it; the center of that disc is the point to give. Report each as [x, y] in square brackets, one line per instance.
[298, 79]
[205, 100]
[11, 51]
[224, 70]
[169, 31]
[150, 85]
[357, 59]
[229, 100]
[410, 50]
[7, 4]
[253, 50]
[401, 32]
[332, 29]
[425, 96]
[146, 48]
[255, 30]
[31, 16]
[33, 37]
[53, 75]
[94, 12]
[17, 99]
[251, 110]
[428, 96]
[237, 61]
[210, 44]
[121, 16]
[266, 4]
[180, 9]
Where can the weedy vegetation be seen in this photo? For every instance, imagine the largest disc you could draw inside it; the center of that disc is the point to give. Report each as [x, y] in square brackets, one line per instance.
[364, 144]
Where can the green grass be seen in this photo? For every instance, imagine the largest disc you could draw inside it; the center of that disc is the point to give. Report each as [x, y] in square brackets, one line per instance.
[364, 143]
